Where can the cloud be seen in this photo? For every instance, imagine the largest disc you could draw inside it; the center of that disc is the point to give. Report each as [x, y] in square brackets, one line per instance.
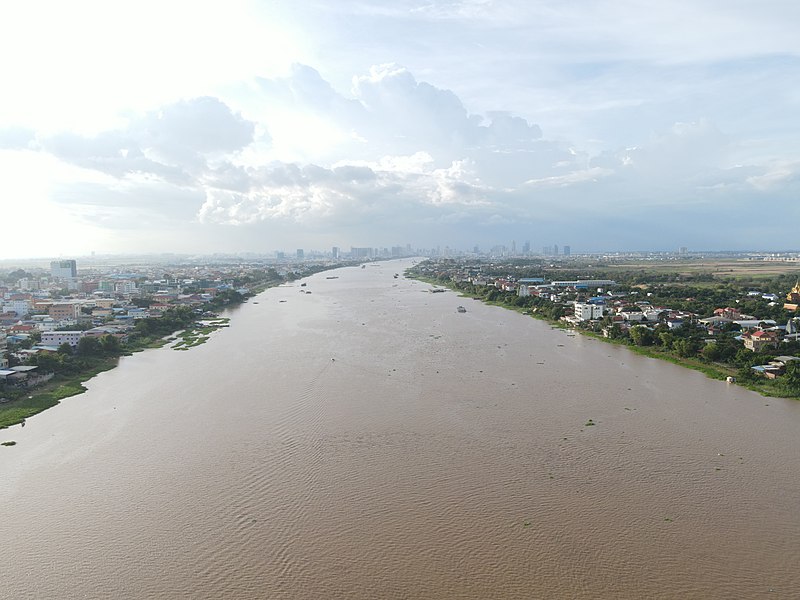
[175, 143]
[415, 162]
[16, 138]
[343, 193]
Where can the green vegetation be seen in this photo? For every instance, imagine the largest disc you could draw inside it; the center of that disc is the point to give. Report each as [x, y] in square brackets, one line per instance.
[70, 368]
[27, 403]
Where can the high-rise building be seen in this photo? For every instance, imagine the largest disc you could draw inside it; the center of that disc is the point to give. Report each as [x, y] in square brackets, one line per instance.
[567, 250]
[513, 247]
[300, 254]
[555, 249]
[64, 269]
[526, 248]
[361, 252]
[335, 252]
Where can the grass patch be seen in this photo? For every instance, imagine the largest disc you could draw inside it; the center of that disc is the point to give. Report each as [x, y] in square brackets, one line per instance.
[49, 395]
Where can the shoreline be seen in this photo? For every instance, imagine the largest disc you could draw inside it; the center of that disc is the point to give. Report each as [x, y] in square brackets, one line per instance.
[710, 370]
[17, 410]
[39, 399]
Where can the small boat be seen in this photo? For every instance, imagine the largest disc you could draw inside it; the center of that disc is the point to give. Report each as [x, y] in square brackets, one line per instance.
[302, 285]
[333, 277]
[461, 309]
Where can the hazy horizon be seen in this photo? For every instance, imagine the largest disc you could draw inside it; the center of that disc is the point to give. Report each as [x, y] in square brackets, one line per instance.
[196, 129]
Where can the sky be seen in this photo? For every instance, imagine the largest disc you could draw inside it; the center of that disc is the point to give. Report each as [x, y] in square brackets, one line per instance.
[256, 126]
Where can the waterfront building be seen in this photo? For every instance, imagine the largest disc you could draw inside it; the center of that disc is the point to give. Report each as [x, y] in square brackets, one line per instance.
[586, 311]
[758, 340]
[56, 338]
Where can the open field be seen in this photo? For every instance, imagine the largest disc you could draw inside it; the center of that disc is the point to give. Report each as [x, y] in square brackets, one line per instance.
[721, 269]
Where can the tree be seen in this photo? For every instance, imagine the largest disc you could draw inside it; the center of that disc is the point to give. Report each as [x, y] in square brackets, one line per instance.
[65, 349]
[641, 335]
[685, 347]
[791, 378]
[711, 351]
[666, 339]
[89, 346]
[110, 345]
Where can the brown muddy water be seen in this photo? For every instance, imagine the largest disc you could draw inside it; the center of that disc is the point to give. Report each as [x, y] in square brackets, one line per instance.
[368, 441]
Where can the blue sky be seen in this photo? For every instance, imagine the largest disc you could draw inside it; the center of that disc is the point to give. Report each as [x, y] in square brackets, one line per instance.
[257, 126]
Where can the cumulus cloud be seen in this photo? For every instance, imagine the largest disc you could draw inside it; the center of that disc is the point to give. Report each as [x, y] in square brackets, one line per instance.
[343, 193]
[415, 160]
[175, 143]
[16, 138]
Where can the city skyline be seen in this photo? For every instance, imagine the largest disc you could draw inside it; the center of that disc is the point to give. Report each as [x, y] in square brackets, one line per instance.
[611, 126]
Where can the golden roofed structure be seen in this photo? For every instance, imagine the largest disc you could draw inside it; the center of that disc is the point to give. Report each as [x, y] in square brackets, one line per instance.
[793, 298]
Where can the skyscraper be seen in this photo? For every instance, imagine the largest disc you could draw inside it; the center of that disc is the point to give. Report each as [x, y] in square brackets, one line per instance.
[567, 250]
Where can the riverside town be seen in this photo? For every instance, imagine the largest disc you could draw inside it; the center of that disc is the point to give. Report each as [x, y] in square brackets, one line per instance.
[734, 317]
[61, 325]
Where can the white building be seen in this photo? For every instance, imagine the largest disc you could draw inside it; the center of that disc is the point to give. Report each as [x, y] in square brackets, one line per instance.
[584, 311]
[56, 338]
[21, 307]
[3, 349]
[64, 269]
[125, 287]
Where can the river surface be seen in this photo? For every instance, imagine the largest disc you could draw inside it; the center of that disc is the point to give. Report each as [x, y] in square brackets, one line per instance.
[367, 440]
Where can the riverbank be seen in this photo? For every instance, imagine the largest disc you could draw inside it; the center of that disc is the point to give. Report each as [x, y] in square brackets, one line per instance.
[50, 394]
[181, 330]
[713, 370]
[26, 403]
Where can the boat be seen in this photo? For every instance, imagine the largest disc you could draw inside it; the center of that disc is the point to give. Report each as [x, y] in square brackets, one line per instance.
[461, 309]
[332, 277]
[302, 285]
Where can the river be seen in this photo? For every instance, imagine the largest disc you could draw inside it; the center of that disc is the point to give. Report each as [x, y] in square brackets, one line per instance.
[366, 440]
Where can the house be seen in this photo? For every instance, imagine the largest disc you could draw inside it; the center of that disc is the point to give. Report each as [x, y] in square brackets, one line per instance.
[756, 341]
[769, 371]
[734, 314]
